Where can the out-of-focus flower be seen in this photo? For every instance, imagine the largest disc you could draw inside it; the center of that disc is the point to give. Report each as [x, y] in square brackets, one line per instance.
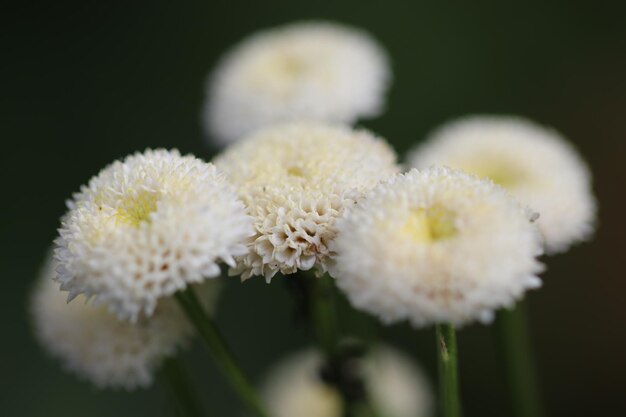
[436, 246]
[394, 384]
[535, 164]
[147, 227]
[309, 70]
[296, 180]
[94, 344]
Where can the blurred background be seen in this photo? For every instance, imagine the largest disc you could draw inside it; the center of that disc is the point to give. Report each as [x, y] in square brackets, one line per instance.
[84, 84]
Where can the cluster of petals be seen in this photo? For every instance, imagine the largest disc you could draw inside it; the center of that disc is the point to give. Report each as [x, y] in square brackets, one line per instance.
[296, 180]
[146, 227]
[452, 240]
[437, 246]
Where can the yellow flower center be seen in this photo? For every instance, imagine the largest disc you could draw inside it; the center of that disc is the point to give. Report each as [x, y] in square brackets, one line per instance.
[427, 225]
[289, 65]
[295, 171]
[136, 208]
[278, 73]
[504, 175]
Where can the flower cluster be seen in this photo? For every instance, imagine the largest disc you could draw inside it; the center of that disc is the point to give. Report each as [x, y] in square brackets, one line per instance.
[449, 242]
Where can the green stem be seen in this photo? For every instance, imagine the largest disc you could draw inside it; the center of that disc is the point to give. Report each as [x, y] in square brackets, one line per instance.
[517, 361]
[218, 347]
[187, 403]
[324, 315]
[448, 373]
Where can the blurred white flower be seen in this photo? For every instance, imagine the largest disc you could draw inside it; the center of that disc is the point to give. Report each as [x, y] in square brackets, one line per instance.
[147, 227]
[296, 180]
[436, 246]
[536, 164]
[94, 344]
[317, 71]
[395, 385]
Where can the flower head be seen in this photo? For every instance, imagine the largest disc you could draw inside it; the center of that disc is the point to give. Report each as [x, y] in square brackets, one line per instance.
[147, 227]
[296, 180]
[309, 70]
[436, 246]
[97, 346]
[395, 385]
[535, 164]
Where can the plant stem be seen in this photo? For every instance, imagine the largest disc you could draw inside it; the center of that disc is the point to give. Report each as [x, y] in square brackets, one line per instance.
[218, 347]
[187, 403]
[448, 373]
[324, 315]
[517, 361]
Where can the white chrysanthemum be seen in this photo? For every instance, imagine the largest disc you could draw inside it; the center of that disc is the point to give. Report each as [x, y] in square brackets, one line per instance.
[536, 164]
[396, 387]
[94, 344]
[296, 180]
[436, 246]
[147, 227]
[310, 70]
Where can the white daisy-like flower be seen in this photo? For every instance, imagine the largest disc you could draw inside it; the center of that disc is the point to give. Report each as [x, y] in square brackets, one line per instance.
[147, 227]
[94, 344]
[535, 164]
[436, 246]
[395, 385]
[296, 180]
[309, 70]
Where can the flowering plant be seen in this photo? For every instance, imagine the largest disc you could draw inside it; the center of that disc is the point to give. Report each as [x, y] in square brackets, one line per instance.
[301, 194]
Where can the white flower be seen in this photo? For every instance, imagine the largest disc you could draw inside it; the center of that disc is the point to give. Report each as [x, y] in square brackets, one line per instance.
[94, 344]
[309, 70]
[394, 384]
[296, 180]
[535, 164]
[147, 227]
[436, 246]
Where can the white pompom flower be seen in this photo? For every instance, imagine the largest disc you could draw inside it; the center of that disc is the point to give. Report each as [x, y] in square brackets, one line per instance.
[296, 180]
[94, 344]
[395, 386]
[436, 246]
[309, 70]
[534, 163]
[146, 227]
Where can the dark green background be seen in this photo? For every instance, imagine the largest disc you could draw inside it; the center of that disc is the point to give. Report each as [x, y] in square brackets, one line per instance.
[84, 84]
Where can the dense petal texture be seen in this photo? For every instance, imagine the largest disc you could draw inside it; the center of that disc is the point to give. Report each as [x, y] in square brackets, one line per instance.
[296, 180]
[436, 246]
[146, 227]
